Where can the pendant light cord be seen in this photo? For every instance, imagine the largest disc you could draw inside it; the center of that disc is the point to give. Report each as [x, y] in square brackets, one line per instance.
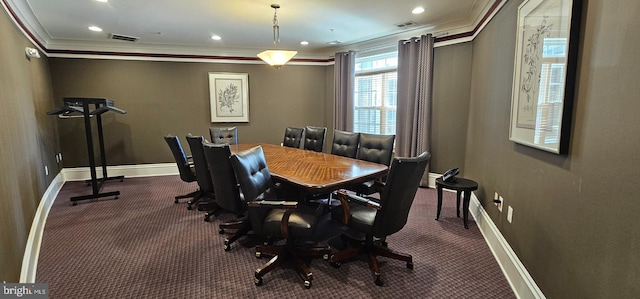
[276, 28]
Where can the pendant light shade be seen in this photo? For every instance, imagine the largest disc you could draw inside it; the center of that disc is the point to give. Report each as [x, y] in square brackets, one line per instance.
[276, 57]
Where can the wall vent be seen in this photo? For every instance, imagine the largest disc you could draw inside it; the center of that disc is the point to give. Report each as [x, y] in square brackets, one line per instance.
[405, 24]
[123, 37]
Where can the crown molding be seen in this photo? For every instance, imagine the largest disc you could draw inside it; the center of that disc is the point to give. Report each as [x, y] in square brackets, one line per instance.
[453, 32]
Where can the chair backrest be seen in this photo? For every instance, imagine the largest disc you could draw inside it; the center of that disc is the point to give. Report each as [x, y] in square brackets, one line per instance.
[186, 172]
[314, 138]
[254, 178]
[200, 163]
[227, 135]
[376, 148]
[398, 194]
[223, 177]
[252, 173]
[293, 137]
[345, 143]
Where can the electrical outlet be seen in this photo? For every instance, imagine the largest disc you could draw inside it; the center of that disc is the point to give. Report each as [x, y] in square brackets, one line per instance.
[501, 199]
[510, 214]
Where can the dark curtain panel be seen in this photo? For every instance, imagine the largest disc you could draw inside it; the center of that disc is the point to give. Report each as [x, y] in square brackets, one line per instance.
[344, 76]
[415, 85]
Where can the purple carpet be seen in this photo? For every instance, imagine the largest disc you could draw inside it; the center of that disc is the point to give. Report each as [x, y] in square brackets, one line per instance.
[142, 245]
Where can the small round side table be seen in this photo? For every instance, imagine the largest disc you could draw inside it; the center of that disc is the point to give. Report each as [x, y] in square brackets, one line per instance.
[460, 185]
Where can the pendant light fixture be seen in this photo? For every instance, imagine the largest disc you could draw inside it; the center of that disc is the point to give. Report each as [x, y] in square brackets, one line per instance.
[276, 57]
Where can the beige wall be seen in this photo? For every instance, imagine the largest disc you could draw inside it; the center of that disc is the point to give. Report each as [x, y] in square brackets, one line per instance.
[29, 143]
[173, 98]
[451, 87]
[575, 223]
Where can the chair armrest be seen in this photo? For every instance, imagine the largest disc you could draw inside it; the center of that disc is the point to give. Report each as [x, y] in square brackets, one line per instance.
[345, 198]
[365, 201]
[289, 206]
[273, 204]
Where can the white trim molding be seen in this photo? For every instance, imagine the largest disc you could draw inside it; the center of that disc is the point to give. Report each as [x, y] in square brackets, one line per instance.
[132, 171]
[521, 282]
[32, 249]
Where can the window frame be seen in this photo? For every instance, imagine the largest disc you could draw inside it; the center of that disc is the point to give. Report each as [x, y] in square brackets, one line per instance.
[385, 67]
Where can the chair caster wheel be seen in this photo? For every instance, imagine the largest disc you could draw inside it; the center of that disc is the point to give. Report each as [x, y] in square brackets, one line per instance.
[334, 264]
[221, 231]
[74, 203]
[176, 201]
[199, 208]
[189, 207]
[117, 197]
[258, 254]
[410, 265]
[378, 280]
[307, 284]
[257, 281]
[206, 218]
[227, 247]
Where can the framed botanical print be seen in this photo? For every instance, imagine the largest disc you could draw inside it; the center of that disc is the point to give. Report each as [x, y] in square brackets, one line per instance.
[545, 73]
[229, 96]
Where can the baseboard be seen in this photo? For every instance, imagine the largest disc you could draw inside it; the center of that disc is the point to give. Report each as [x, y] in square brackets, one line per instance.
[142, 170]
[432, 179]
[32, 249]
[521, 282]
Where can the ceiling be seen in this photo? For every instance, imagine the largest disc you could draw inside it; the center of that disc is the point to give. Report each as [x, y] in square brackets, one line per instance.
[185, 27]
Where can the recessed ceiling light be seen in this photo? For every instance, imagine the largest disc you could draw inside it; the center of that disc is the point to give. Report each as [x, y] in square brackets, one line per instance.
[304, 42]
[417, 10]
[95, 28]
[103, 1]
[216, 37]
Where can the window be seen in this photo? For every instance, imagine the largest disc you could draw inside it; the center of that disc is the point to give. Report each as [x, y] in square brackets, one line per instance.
[375, 97]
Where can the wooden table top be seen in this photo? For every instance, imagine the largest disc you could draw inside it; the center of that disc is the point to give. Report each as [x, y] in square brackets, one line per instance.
[315, 172]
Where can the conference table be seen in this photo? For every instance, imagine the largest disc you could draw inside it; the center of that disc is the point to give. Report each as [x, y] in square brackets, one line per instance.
[314, 172]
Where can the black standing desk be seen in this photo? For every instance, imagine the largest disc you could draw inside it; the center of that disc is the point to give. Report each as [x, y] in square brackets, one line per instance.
[83, 106]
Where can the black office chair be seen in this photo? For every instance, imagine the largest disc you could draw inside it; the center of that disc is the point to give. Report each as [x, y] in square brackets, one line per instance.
[227, 135]
[380, 218]
[274, 218]
[314, 138]
[228, 195]
[293, 137]
[185, 167]
[377, 149]
[345, 143]
[203, 177]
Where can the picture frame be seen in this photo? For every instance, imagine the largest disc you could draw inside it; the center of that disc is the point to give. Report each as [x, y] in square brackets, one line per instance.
[545, 73]
[229, 97]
